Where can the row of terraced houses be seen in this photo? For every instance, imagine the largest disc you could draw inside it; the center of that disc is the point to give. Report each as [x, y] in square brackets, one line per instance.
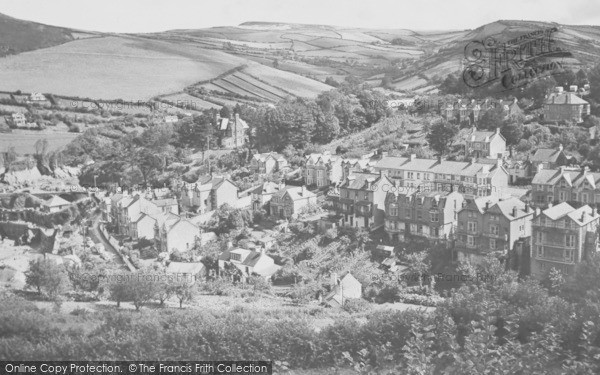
[469, 206]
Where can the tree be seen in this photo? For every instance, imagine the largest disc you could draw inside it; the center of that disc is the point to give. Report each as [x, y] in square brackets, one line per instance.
[183, 291]
[441, 136]
[47, 276]
[512, 131]
[9, 158]
[418, 265]
[119, 288]
[142, 287]
[492, 119]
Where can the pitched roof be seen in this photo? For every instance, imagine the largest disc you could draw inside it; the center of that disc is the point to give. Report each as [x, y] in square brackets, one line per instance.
[459, 168]
[565, 98]
[573, 177]
[558, 211]
[546, 155]
[295, 192]
[165, 202]
[506, 206]
[359, 180]
[56, 201]
[184, 268]
[264, 156]
[480, 136]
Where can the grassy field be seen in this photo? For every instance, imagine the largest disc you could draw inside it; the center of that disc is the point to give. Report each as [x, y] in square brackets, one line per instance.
[293, 83]
[24, 142]
[112, 68]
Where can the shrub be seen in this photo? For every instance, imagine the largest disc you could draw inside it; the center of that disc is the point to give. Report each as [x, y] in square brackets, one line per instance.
[418, 299]
[356, 305]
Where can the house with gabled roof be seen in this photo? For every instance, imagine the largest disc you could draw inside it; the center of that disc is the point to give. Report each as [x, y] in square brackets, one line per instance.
[359, 201]
[485, 144]
[431, 214]
[565, 106]
[491, 225]
[241, 264]
[208, 194]
[268, 163]
[576, 185]
[468, 178]
[55, 204]
[186, 272]
[234, 131]
[548, 158]
[288, 202]
[175, 233]
[322, 169]
[262, 194]
[562, 237]
[343, 289]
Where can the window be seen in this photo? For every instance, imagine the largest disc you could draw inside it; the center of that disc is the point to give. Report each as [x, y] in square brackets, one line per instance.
[494, 229]
[236, 257]
[584, 197]
[435, 217]
[562, 196]
[470, 241]
[570, 240]
[393, 210]
[410, 175]
[418, 176]
[540, 251]
[408, 213]
[550, 198]
[419, 215]
[569, 255]
[539, 187]
[492, 244]
[419, 228]
[472, 226]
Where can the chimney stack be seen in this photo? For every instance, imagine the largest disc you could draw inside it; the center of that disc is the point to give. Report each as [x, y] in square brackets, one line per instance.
[334, 279]
[487, 205]
[229, 245]
[527, 208]
[514, 211]
[440, 159]
[538, 211]
[497, 130]
[560, 147]
[583, 216]
[412, 157]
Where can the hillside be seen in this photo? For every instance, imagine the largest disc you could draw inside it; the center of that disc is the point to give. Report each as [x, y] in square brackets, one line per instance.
[583, 42]
[254, 63]
[18, 36]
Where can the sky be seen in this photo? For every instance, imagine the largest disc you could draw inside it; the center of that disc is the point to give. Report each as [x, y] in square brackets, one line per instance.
[160, 15]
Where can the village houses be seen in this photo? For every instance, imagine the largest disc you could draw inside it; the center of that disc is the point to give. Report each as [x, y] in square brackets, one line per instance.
[288, 203]
[485, 144]
[322, 170]
[176, 233]
[491, 225]
[359, 201]
[562, 237]
[468, 178]
[411, 213]
[234, 131]
[575, 185]
[208, 194]
[343, 289]
[565, 106]
[241, 264]
[268, 163]
[262, 194]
